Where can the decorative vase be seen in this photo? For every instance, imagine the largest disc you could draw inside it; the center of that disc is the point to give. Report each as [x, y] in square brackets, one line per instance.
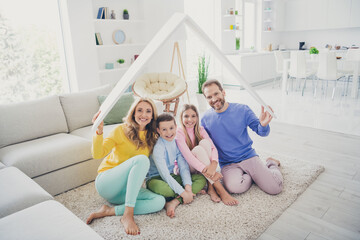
[126, 16]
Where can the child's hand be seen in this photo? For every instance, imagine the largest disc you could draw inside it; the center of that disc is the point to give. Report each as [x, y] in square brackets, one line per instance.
[217, 176]
[209, 171]
[187, 196]
[188, 188]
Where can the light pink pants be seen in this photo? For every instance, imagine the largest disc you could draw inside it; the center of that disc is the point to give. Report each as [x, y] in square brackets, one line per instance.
[238, 177]
[203, 153]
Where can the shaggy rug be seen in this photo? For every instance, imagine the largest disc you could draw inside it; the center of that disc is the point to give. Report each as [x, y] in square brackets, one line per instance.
[203, 219]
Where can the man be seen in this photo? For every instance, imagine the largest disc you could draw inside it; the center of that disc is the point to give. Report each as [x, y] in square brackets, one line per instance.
[227, 126]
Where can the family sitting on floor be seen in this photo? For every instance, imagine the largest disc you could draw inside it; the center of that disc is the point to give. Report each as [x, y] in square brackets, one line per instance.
[178, 161]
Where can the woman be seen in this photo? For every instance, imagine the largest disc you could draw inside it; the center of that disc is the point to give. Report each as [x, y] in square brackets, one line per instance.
[123, 171]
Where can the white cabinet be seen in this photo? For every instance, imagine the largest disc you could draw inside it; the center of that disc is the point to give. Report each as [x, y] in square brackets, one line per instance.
[134, 43]
[354, 13]
[317, 13]
[256, 68]
[231, 25]
[339, 13]
[300, 15]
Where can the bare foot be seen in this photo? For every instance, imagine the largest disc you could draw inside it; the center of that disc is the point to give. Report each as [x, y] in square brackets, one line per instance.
[275, 160]
[170, 207]
[202, 192]
[213, 195]
[130, 226]
[226, 198]
[103, 212]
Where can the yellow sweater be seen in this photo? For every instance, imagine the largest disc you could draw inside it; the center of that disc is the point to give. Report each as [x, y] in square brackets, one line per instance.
[120, 146]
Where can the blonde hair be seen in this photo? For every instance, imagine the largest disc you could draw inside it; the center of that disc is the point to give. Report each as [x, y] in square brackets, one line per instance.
[131, 128]
[198, 137]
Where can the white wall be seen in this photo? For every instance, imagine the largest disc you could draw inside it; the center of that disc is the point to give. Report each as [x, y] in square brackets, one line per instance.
[156, 13]
[316, 22]
[319, 38]
[79, 44]
[79, 32]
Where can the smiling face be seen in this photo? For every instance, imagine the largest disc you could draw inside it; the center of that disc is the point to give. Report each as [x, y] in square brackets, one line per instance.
[167, 130]
[189, 118]
[215, 97]
[143, 114]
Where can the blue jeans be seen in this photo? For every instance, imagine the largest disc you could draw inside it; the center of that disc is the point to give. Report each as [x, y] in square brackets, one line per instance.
[121, 186]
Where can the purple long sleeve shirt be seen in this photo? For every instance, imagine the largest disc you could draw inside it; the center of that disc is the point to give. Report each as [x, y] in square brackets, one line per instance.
[228, 130]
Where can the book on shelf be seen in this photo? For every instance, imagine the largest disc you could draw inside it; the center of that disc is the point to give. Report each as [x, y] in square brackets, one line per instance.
[106, 13]
[100, 13]
[98, 39]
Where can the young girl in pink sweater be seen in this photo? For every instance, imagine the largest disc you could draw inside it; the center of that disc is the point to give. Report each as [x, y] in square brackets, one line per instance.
[200, 152]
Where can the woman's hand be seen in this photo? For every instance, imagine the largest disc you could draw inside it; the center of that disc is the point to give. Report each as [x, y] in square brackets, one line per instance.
[265, 117]
[100, 128]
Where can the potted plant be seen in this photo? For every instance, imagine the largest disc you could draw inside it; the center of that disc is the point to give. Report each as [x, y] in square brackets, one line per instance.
[313, 51]
[126, 14]
[120, 61]
[203, 71]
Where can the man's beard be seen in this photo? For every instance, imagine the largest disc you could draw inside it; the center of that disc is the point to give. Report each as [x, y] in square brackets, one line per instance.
[222, 103]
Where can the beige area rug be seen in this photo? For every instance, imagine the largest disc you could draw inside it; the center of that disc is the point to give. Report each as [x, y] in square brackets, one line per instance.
[203, 219]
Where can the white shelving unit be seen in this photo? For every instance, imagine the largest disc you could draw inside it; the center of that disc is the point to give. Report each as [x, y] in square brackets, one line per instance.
[268, 16]
[231, 27]
[110, 52]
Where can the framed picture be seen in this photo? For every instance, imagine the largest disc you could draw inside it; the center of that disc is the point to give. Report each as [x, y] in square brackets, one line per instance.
[118, 36]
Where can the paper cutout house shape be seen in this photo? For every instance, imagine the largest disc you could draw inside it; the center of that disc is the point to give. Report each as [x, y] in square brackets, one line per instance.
[162, 35]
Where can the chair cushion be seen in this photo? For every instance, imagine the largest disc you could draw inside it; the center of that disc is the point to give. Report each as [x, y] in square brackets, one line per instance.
[18, 191]
[120, 109]
[46, 154]
[79, 108]
[24, 121]
[159, 86]
[46, 220]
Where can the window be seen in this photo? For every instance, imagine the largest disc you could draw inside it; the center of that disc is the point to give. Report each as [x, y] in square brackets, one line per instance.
[31, 64]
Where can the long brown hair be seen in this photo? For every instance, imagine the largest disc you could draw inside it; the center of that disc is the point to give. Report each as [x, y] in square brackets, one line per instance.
[131, 128]
[198, 137]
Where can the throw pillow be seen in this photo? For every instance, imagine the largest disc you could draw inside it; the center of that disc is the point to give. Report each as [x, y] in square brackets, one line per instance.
[120, 109]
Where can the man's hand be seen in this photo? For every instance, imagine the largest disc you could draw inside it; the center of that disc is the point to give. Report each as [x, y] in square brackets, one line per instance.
[265, 117]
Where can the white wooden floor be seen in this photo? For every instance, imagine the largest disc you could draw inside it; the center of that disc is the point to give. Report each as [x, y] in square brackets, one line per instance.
[330, 207]
[321, 131]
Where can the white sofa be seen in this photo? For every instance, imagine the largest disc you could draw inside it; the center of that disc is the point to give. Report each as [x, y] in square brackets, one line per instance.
[45, 149]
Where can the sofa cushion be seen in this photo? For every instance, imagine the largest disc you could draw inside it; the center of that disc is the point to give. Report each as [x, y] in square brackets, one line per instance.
[79, 108]
[85, 132]
[24, 121]
[18, 191]
[2, 165]
[119, 110]
[46, 220]
[46, 154]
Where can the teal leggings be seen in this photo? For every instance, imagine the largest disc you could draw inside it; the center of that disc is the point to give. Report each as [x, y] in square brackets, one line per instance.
[121, 186]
